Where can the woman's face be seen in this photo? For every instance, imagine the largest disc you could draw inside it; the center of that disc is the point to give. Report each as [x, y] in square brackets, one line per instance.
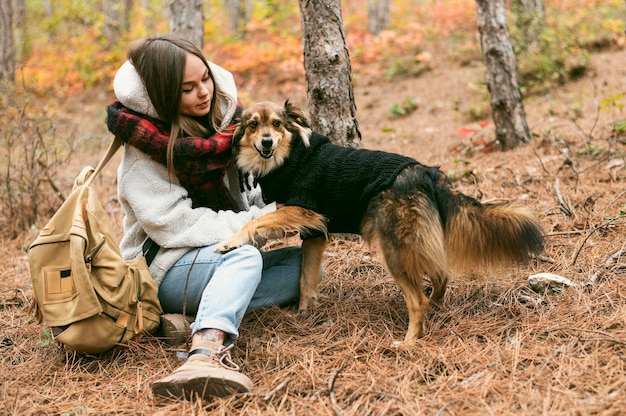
[197, 88]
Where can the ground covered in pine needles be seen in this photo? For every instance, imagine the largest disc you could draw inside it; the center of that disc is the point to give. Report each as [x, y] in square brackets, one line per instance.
[493, 345]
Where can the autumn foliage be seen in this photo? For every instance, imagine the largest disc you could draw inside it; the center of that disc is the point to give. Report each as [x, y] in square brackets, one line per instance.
[64, 51]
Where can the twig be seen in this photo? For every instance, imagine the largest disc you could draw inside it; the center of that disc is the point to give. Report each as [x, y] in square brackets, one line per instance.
[589, 233]
[569, 328]
[596, 277]
[610, 338]
[47, 178]
[469, 379]
[14, 301]
[613, 201]
[268, 396]
[444, 408]
[600, 226]
[531, 299]
[545, 259]
[331, 386]
[573, 232]
[613, 258]
[539, 159]
[564, 207]
[615, 341]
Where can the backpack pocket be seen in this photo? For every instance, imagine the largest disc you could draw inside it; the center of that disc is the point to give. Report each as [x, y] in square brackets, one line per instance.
[58, 284]
[93, 335]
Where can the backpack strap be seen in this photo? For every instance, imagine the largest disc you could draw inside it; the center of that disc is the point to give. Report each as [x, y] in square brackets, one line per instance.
[113, 147]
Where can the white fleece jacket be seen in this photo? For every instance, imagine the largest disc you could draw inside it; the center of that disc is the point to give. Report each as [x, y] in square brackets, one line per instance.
[157, 206]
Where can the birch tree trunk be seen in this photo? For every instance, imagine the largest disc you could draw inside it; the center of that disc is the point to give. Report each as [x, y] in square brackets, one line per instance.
[507, 107]
[328, 73]
[378, 15]
[239, 12]
[187, 20]
[7, 43]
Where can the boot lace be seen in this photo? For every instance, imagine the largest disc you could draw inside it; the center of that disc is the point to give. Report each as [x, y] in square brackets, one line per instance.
[222, 356]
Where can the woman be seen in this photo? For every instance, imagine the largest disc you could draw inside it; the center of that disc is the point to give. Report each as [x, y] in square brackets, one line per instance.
[181, 195]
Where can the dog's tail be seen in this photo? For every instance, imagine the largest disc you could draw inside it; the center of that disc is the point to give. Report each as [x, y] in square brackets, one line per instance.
[480, 235]
[424, 228]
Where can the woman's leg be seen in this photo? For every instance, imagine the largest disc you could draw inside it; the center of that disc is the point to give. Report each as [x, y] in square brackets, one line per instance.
[280, 280]
[218, 287]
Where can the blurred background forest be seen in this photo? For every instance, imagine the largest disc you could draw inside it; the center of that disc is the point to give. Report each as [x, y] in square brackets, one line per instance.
[66, 45]
[69, 47]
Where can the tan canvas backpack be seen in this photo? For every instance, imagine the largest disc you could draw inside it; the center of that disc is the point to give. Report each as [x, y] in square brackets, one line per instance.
[91, 298]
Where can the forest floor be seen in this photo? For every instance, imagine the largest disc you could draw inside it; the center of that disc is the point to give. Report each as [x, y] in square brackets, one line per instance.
[493, 346]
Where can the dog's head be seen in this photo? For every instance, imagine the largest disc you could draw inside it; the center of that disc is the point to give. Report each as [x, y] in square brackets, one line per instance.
[263, 139]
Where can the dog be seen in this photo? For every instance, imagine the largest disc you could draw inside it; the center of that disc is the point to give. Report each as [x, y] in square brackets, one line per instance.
[422, 226]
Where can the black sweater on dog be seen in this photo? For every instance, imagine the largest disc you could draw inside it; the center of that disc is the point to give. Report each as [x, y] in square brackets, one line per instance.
[335, 181]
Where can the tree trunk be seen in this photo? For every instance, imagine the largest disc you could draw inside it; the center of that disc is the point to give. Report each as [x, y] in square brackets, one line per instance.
[328, 72]
[239, 12]
[378, 15]
[22, 42]
[7, 43]
[507, 107]
[529, 20]
[530, 7]
[148, 15]
[187, 20]
[116, 19]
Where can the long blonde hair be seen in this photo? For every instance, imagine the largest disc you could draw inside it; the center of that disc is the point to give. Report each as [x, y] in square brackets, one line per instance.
[160, 62]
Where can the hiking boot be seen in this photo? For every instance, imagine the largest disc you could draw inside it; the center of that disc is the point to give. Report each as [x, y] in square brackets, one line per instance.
[206, 375]
[175, 328]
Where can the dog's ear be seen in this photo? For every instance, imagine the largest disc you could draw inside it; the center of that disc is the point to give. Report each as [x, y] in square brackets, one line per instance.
[297, 122]
[238, 134]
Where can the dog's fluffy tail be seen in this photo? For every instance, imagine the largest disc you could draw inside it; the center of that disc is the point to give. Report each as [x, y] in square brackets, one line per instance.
[485, 235]
[424, 228]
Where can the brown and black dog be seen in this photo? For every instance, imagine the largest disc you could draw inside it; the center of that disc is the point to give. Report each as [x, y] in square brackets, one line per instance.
[422, 226]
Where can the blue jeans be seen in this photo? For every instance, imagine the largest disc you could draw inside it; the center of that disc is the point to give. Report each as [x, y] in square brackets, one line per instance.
[222, 288]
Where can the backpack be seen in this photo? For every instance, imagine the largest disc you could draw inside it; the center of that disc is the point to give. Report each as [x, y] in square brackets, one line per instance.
[89, 296]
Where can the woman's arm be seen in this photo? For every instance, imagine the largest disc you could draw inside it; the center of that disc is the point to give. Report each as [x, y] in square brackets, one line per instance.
[164, 211]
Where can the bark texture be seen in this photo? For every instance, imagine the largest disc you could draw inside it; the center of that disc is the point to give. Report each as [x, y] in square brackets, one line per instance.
[328, 72]
[507, 107]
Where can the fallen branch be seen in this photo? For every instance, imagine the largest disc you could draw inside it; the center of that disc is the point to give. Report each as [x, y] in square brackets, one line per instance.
[609, 337]
[545, 259]
[613, 340]
[531, 299]
[445, 407]
[473, 377]
[573, 232]
[569, 328]
[268, 396]
[612, 259]
[563, 206]
[589, 233]
[331, 391]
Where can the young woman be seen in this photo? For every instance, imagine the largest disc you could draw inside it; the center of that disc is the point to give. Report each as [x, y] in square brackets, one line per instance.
[181, 195]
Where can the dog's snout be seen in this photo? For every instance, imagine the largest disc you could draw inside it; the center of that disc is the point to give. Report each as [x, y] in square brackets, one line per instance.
[267, 142]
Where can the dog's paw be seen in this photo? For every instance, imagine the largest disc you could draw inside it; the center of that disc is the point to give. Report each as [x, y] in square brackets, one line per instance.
[225, 247]
[307, 304]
